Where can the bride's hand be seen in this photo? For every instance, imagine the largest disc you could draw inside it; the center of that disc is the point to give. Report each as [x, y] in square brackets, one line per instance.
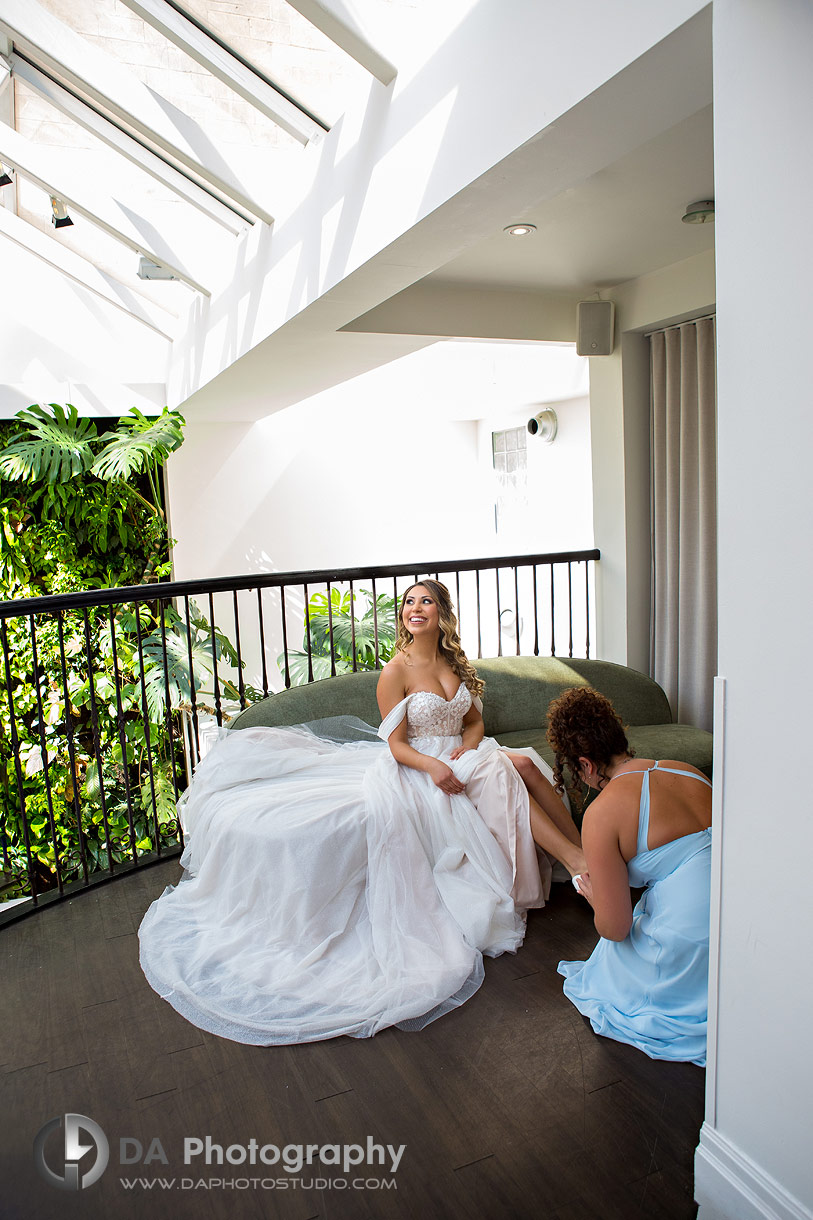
[459, 751]
[445, 779]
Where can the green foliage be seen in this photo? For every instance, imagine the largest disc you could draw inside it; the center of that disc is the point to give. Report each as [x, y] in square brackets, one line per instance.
[56, 447]
[77, 511]
[141, 445]
[72, 518]
[352, 624]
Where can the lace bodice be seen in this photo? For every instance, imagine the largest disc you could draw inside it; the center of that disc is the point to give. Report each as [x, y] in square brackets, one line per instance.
[430, 715]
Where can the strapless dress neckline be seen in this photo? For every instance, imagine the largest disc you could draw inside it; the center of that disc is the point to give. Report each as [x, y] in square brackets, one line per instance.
[437, 696]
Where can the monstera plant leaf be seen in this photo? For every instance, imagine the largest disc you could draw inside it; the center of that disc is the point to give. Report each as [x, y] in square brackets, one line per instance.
[176, 642]
[56, 447]
[139, 444]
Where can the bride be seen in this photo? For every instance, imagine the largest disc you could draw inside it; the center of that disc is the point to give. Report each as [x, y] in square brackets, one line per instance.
[339, 881]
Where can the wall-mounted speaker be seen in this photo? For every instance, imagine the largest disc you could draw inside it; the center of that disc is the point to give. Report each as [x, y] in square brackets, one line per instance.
[594, 328]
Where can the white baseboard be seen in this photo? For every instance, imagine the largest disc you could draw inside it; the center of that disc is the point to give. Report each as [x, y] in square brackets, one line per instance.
[730, 1186]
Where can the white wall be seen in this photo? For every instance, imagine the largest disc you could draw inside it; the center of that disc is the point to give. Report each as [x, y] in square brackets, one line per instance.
[389, 468]
[63, 343]
[619, 429]
[386, 468]
[754, 1158]
[559, 512]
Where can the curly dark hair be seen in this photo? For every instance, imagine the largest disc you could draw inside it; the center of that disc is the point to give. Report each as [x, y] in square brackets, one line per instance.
[582, 723]
[449, 645]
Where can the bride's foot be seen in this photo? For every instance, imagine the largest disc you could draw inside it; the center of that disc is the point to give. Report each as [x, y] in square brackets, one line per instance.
[550, 838]
[576, 863]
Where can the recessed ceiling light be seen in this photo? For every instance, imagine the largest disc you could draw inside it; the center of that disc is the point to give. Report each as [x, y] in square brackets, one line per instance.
[519, 230]
[699, 213]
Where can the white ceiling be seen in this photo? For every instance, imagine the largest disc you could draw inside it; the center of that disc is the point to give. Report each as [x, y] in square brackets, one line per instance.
[622, 222]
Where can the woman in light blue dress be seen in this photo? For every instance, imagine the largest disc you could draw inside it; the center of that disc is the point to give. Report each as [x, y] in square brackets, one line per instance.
[646, 982]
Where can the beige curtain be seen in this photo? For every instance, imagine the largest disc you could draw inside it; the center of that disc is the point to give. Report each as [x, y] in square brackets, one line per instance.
[683, 641]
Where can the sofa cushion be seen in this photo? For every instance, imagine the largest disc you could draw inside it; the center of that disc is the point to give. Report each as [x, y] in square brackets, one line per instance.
[519, 691]
[345, 695]
[681, 741]
[517, 695]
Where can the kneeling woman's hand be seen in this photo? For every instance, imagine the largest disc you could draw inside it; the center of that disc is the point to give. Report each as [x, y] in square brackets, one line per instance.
[585, 886]
[445, 778]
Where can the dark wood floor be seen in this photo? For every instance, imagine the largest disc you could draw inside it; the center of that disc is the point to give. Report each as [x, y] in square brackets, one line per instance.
[509, 1107]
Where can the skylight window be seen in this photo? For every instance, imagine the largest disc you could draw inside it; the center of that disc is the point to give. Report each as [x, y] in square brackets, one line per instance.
[286, 50]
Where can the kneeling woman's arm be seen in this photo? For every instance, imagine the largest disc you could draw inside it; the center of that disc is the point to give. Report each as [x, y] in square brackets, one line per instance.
[606, 886]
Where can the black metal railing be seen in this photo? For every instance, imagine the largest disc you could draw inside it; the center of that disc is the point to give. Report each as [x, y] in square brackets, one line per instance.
[109, 697]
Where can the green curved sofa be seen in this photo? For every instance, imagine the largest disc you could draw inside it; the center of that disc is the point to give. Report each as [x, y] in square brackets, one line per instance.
[515, 704]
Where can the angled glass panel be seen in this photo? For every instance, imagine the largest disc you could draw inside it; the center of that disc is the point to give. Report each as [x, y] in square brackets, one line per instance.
[228, 119]
[273, 39]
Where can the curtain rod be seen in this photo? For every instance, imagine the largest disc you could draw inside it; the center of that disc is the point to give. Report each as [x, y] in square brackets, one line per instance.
[660, 330]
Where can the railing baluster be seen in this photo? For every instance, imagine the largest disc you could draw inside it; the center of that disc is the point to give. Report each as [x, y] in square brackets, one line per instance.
[516, 605]
[192, 683]
[552, 617]
[215, 676]
[536, 614]
[308, 634]
[44, 755]
[77, 809]
[162, 609]
[97, 752]
[285, 637]
[122, 734]
[145, 711]
[330, 630]
[261, 624]
[499, 612]
[587, 609]
[479, 636]
[353, 627]
[18, 774]
[375, 626]
[241, 686]
[570, 608]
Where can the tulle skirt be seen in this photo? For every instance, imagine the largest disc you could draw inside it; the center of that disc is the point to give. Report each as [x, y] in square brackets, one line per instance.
[329, 890]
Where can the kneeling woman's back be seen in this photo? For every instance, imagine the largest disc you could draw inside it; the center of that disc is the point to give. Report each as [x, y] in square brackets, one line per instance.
[646, 981]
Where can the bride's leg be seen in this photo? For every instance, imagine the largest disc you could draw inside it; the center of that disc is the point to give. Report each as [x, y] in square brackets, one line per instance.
[551, 839]
[546, 796]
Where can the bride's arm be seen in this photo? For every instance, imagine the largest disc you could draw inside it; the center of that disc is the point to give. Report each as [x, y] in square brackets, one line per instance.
[389, 692]
[473, 731]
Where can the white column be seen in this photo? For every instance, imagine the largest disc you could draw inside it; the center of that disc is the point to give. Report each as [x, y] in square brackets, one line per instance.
[754, 1158]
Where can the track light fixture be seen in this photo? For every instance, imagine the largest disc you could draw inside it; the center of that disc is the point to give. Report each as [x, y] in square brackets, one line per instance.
[150, 270]
[5, 175]
[60, 216]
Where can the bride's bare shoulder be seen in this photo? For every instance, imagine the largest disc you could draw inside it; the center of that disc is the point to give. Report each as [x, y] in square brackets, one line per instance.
[391, 686]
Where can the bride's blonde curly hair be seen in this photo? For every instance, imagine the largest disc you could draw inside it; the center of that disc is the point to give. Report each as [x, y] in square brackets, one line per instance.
[449, 643]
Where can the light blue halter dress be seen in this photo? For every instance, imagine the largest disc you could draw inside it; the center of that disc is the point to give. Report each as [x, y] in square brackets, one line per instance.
[651, 989]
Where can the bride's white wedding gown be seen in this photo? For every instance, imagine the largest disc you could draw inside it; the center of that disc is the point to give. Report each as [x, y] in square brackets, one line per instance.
[330, 890]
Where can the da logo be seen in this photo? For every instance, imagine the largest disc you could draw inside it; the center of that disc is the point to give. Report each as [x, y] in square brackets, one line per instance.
[74, 1149]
